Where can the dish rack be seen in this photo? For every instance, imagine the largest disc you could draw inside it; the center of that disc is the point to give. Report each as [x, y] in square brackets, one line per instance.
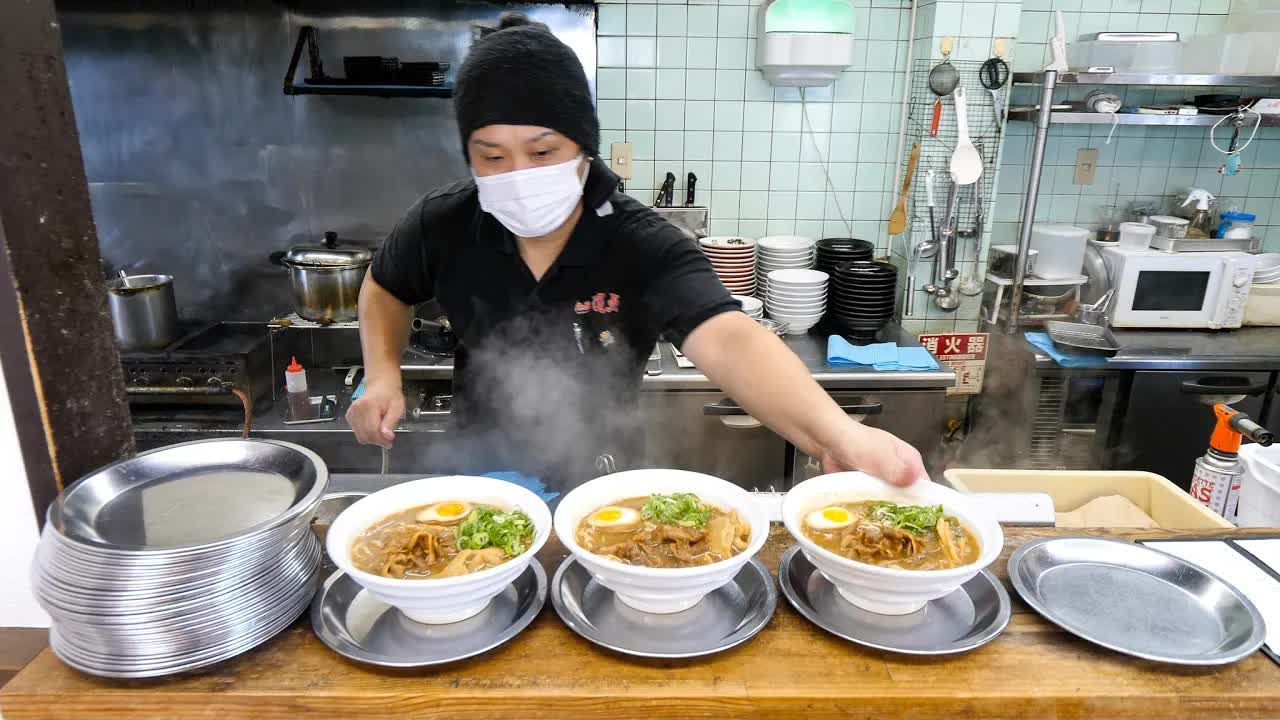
[935, 154]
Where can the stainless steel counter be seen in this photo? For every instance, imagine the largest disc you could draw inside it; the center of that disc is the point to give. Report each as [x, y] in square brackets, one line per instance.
[811, 349]
[1243, 349]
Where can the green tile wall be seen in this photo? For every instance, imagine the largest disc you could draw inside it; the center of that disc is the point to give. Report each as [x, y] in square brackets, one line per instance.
[678, 81]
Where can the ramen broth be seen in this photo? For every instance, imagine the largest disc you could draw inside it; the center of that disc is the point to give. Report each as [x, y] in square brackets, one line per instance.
[907, 537]
[664, 531]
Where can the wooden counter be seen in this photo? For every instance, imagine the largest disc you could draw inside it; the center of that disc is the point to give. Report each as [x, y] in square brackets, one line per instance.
[791, 669]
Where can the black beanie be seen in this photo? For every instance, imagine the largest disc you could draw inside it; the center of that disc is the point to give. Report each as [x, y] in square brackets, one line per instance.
[524, 75]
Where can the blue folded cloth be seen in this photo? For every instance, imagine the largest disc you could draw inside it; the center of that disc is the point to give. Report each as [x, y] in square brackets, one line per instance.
[881, 356]
[528, 482]
[358, 391]
[1065, 358]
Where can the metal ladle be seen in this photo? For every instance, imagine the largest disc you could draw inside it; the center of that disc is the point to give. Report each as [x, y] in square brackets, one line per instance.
[124, 278]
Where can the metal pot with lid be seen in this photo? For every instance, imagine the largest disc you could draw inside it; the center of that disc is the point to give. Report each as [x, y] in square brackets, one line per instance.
[326, 278]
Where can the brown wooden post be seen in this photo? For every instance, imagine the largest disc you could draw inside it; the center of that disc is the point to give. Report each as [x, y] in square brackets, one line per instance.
[56, 343]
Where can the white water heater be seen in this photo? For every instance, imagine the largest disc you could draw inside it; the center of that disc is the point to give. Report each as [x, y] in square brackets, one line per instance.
[804, 43]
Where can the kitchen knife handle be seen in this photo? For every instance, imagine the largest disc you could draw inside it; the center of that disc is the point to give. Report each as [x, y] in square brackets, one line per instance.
[691, 182]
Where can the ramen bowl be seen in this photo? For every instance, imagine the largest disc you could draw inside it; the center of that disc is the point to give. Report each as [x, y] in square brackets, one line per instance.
[438, 601]
[659, 590]
[885, 590]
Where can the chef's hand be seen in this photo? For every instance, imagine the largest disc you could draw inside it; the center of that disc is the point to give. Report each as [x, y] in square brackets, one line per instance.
[876, 453]
[375, 415]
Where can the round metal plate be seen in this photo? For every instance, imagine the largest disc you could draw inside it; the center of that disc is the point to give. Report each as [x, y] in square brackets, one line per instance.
[1136, 600]
[357, 625]
[728, 616]
[970, 617]
[195, 496]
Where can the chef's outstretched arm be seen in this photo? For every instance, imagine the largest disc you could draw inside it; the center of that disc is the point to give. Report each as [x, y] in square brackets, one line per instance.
[384, 331]
[759, 372]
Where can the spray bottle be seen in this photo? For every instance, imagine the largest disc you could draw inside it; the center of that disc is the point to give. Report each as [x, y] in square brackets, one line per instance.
[1202, 219]
[1216, 479]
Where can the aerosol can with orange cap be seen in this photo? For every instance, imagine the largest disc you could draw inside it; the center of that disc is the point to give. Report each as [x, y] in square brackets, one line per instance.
[1216, 480]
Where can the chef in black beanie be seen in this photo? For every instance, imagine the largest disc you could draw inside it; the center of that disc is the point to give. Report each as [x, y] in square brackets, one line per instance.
[557, 287]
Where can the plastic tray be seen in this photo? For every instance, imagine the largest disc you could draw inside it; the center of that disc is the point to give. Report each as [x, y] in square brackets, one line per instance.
[1168, 505]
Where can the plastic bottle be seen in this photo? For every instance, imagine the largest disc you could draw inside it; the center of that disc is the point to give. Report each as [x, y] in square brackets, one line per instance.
[1202, 219]
[295, 383]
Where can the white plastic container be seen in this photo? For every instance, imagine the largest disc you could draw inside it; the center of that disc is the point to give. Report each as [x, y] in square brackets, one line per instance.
[659, 590]
[1061, 250]
[443, 600]
[1124, 56]
[888, 591]
[1136, 236]
[1260, 486]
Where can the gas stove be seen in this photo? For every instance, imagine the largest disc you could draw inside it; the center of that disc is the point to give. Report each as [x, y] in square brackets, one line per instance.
[203, 368]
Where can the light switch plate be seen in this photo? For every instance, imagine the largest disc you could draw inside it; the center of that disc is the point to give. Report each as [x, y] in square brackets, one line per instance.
[1086, 166]
[620, 160]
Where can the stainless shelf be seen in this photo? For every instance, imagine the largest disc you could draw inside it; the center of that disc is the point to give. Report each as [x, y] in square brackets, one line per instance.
[1066, 117]
[1084, 78]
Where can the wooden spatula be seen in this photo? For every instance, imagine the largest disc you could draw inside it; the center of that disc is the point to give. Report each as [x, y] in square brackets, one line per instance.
[898, 220]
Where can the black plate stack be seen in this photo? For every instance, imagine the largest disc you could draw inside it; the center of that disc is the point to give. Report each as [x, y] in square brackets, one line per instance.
[861, 296]
[833, 251]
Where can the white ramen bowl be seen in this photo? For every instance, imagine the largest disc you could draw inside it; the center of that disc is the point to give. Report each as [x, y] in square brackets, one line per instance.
[443, 600]
[888, 591]
[659, 590]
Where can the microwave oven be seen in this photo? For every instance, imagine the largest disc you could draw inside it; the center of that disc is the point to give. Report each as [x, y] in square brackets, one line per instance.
[1155, 289]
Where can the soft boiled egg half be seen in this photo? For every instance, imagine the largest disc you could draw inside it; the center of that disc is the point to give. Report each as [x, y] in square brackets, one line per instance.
[832, 517]
[612, 517]
[448, 512]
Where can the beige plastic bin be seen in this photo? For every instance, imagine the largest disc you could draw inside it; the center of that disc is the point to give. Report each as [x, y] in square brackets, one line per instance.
[1166, 503]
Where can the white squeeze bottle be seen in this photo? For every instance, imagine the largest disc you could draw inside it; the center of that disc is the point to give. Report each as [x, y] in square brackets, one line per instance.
[295, 383]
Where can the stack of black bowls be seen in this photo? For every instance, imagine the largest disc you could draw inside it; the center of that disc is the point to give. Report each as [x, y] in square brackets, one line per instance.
[833, 251]
[860, 297]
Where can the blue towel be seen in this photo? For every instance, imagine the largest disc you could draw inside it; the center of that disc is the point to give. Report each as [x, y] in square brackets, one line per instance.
[881, 356]
[1062, 356]
[355, 395]
[528, 482]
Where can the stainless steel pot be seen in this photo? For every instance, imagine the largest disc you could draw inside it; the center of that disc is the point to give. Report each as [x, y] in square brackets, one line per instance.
[143, 311]
[326, 278]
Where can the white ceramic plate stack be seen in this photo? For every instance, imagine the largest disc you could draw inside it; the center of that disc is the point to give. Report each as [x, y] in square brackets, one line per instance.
[180, 557]
[734, 260]
[753, 307]
[797, 297]
[782, 252]
[1267, 269]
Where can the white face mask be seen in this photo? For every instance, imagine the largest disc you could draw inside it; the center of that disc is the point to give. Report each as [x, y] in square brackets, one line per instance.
[534, 201]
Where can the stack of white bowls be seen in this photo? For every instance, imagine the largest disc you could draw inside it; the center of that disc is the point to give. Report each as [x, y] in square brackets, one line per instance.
[782, 252]
[734, 260]
[797, 297]
[1266, 271]
[753, 307]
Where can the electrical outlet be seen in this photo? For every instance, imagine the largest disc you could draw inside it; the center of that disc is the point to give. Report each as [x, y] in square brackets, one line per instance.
[1086, 166]
[620, 160]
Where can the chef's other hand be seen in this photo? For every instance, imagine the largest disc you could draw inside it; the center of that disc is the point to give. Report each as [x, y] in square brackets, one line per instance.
[876, 453]
[375, 415]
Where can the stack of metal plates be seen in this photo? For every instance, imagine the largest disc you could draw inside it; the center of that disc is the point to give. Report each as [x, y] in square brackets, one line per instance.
[180, 557]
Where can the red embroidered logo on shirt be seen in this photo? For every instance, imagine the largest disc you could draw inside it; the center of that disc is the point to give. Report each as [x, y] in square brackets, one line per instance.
[600, 303]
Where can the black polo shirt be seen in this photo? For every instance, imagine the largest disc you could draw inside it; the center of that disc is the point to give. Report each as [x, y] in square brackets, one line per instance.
[547, 372]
